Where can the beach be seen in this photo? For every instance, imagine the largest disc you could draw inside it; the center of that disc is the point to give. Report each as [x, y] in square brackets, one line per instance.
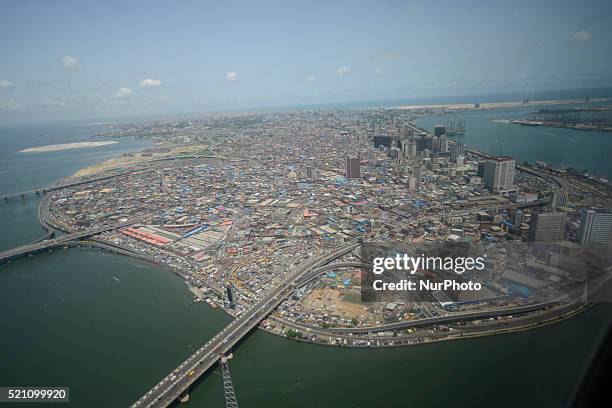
[500, 105]
[65, 146]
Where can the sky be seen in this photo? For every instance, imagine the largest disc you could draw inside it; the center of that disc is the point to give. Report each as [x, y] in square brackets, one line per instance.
[65, 60]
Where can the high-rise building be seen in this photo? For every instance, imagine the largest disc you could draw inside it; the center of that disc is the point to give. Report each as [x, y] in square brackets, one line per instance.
[439, 130]
[517, 218]
[559, 199]
[547, 227]
[456, 150]
[409, 148]
[443, 144]
[424, 142]
[412, 184]
[416, 173]
[382, 140]
[435, 144]
[595, 228]
[352, 168]
[499, 174]
[481, 167]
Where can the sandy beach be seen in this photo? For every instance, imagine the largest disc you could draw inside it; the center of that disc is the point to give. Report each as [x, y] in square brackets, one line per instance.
[65, 146]
[500, 105]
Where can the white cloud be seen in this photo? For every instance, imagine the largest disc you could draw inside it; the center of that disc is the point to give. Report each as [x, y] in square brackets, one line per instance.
[163, 98]
[6, 84]
[124, 93]
[11, 105]
[150, 83]
[310, 78]
[231, 76]
[378, 71]
[580, 37]
[342, 71]
[70, 62]
[59, 103]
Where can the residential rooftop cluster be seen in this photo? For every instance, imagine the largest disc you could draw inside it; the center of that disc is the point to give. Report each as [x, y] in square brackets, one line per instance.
[236, 202]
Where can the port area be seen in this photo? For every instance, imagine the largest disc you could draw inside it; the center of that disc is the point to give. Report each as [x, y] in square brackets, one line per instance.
[596, 118]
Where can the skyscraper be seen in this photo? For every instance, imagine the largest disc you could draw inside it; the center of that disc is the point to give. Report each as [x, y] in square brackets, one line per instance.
[352, 168]
[439, 130]
[409, 148]
[547, 227]
[456, 150]
[416, 173]
[595, 228]
[443, 144]
[481, 167]
[499, 174]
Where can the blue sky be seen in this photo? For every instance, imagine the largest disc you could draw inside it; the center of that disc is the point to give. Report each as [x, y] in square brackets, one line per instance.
[70, 60]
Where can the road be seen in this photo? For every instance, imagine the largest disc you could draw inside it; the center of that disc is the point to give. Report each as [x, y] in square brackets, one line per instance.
[178, 381]
[52, 243]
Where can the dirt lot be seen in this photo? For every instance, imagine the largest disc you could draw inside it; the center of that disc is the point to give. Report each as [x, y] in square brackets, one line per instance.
[332, 301]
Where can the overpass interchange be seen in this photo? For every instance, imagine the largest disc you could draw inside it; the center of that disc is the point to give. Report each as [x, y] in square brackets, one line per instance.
[182, 377]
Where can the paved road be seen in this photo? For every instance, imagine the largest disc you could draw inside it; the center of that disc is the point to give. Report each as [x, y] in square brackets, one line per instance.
[51, 243]
[178, 381]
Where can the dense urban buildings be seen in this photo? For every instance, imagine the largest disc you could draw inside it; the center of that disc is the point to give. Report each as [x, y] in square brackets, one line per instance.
[265, 215]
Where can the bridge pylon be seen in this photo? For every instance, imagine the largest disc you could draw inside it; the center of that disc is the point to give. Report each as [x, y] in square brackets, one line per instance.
[228, 387]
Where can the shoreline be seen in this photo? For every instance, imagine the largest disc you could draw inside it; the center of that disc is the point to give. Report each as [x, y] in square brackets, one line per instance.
[498, 105]
[100, 244]
[111, 248]
[66, 146]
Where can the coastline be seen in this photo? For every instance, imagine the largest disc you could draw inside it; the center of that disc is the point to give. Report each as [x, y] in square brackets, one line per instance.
[133, 159]
[66, 146]
[499, 105]
[103, 245]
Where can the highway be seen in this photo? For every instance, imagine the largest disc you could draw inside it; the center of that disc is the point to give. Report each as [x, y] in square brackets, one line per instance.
[56, 242]
[456, 317]
[178, 381]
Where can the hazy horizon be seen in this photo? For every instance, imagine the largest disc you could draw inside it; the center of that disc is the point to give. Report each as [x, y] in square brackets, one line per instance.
[70, 60]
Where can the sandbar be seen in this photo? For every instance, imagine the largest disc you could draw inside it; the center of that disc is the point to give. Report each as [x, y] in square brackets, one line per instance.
[65, 146]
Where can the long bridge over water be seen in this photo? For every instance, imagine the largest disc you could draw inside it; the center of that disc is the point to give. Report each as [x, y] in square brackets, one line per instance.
[177, 383]
[45, 245]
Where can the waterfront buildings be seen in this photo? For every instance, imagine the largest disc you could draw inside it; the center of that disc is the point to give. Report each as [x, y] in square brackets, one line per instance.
[547, 227]
[456, 150]
[499, 174]
[595, 227]
[244, 199]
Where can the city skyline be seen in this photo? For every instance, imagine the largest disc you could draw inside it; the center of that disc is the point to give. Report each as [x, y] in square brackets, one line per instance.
[77, 62]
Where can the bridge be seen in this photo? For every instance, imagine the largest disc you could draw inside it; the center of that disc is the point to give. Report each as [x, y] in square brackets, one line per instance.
[58, 186]
[177, 383]
[42, 246]
[81, 181]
